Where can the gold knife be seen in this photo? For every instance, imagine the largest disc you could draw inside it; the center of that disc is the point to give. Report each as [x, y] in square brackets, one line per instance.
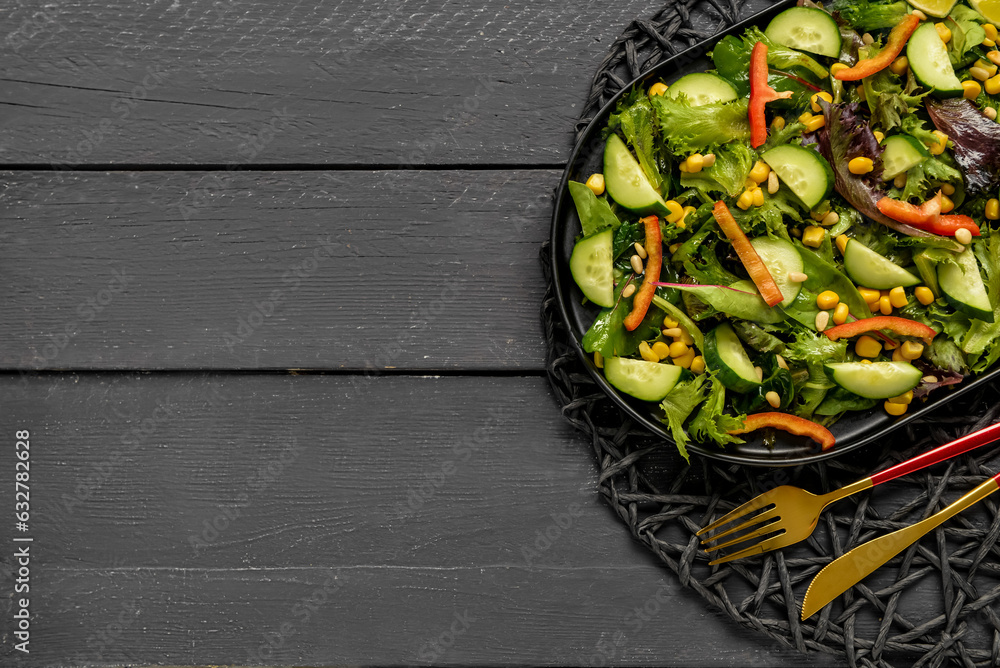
[846, 571]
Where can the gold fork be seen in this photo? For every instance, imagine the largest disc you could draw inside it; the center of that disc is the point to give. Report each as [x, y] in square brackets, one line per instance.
[789, 514]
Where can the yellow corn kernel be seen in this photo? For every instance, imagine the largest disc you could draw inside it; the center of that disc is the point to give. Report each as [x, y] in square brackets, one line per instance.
[991, 31]
[947, 206]
[598, 359]
[745, 200]
[980, 73]
[820, 212]
[758, 197]
[942, 143]
[815, 123]
[695, 162]
[900, 65]
[698, 365]
[889, 344]
[827, 300]
[669, 323]
[841, 241]
[897, 297]
[860, 165]
[972, 89]
[837, 67]
[866, 361]
[879, 136]
[673, 248]
[661, 349]
[676, 211]
[923, 295]
[904, 398]
[897, 355]
[647, 353]
[840, 313]
[596, 184]
[943, 31]
[866, 346]
[869, 295]
[804, 118]
[884, 305]
[778, 123]
[989, 43]
[686, 338]
[994, 57]
[678, 348]
[990, 68]
[862, 95]
[813, 236]
[759, 172]
[683, 167]
[947, 189]
[992, 85]
[688, 210]
[895, 409]
[911, 350]
[657, 89]
[822, 95]
[685, 360]
[993, 209]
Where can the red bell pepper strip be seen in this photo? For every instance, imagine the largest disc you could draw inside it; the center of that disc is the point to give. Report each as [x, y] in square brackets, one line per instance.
[946, 226]
[908, 213]
[654, 262]
[790, 423]
[881, 60]
[748, 256]
[760, 94]
[901, 326]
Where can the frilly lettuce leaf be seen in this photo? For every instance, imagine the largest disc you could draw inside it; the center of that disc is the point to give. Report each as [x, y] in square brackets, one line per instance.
[679, 405]
[688, 129]
[733, 163]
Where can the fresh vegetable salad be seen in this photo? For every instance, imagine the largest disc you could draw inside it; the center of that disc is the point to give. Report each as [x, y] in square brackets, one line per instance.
[805, 230]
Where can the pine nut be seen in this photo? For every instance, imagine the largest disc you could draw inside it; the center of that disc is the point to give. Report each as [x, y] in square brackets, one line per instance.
[867, 39]
[760, 373]
[797, 277]
[781, 362]
[636, 264]
[673, 333]
[640, 251]
[772, 183]
[629, 290]
[830, 219]
[773, 399]
[990, 113]
[708, 160]
[900, 181]
[929, 379]
[822, 320]
[963, 236]
[920, 15]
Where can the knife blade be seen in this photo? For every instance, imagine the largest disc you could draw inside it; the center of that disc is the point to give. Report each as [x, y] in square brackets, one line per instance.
[849, 569]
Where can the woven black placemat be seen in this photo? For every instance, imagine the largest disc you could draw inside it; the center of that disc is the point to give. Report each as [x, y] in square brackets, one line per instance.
[936, 604]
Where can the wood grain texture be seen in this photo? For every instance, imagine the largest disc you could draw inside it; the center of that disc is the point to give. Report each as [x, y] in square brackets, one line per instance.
[355, 270]
[325, 528]
[229, 81]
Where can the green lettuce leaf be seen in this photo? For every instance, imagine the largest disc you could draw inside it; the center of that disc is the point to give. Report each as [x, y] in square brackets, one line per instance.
[595, 212]
[728, 175]
[637, 121]
[687, 129]
[678, 406]
[981, 343]
[967, 33]
[608, 336]
[711, 422]
[865, 16]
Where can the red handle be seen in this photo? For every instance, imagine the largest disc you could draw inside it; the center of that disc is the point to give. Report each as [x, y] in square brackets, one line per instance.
[947, 451]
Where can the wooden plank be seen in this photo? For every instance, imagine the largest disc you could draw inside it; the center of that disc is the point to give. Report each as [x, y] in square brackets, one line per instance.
[214, 81]
[424, 269]
[314, 472]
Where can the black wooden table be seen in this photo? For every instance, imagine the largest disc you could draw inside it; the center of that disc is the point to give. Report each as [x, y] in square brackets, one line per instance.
[270, 325]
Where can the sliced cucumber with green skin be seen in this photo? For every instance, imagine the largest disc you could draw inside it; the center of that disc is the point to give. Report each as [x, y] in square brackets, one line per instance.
[591, 266]
[781, 259]
[803, 170]
[871, 270]
[625, 181]
[725, 354]
[962, 285]
[878, 380]
[928, 57]
[806, 29]
[649, 381]
[702, 88]
[901, 152]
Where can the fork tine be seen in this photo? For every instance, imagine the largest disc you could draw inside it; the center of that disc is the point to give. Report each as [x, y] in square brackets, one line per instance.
[753, 521]
[755, 503]
[772, 543]
[765, 529]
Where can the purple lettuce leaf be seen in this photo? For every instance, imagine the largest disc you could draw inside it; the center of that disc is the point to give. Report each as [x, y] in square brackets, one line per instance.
[976, 139]
[943, 377]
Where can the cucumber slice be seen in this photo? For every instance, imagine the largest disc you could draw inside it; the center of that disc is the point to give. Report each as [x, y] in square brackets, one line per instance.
[868, 268]
[878, 380]
[803, 170]
[781, 259]
[962, 285]
[725, 354]
[649, 381]
[806, 29]
[625, 181]
[901, 153]
[703, 88]
[929, 62]
[591, 266]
